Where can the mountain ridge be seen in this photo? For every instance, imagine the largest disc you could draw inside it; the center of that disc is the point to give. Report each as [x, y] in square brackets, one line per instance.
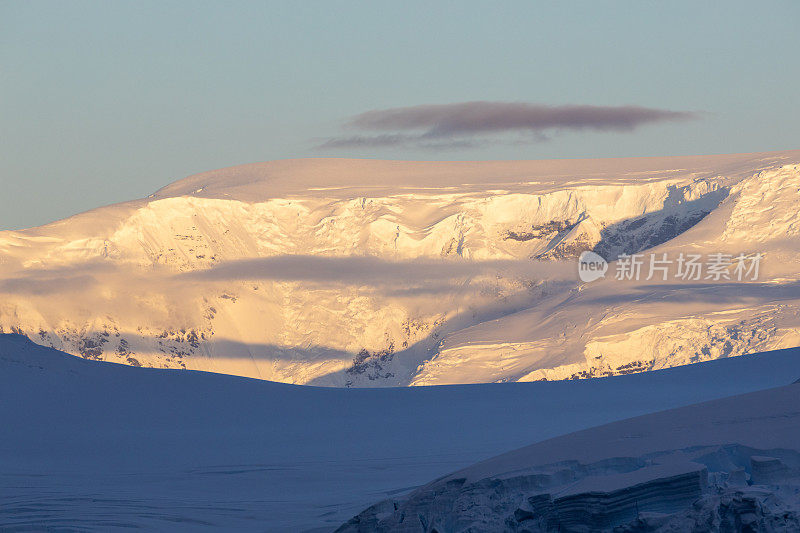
[196, 277]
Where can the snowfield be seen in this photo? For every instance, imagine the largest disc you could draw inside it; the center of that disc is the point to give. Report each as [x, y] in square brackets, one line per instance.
[362, 273]
[94, 446]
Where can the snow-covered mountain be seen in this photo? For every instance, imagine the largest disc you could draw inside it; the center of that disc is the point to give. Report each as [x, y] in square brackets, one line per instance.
[726, 465]
[373, 273]
[94, 446]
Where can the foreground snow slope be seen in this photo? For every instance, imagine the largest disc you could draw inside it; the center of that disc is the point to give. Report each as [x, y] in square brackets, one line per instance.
[98, 446]
[726, 465]
[377, 273]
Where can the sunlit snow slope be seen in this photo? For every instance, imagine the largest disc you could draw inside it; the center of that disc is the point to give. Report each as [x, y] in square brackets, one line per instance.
[373, 273]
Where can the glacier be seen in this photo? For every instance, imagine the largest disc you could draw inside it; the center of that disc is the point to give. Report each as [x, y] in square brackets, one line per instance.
[362, 273]
[728, 465]
[96, 446]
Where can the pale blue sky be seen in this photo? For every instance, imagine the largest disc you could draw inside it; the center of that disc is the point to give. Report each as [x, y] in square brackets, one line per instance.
[102, 102]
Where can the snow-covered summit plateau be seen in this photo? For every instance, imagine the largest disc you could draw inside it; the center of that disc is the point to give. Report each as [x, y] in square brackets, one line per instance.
[375, 273]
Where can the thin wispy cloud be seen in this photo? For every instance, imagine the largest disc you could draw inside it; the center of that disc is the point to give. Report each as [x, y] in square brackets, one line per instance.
[471, 123]
[369, 270]
[401, 276]
[359, 270]
[379, 141]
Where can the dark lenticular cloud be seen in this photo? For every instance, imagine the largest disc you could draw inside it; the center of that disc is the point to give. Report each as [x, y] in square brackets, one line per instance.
[487, 117]
[452, 125]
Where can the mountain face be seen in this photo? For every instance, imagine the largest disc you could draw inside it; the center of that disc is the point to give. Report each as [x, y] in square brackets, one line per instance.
[381, 273]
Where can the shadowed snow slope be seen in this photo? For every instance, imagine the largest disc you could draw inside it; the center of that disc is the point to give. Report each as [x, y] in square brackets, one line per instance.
[96, 446]
[339, 272]
[726, 465]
